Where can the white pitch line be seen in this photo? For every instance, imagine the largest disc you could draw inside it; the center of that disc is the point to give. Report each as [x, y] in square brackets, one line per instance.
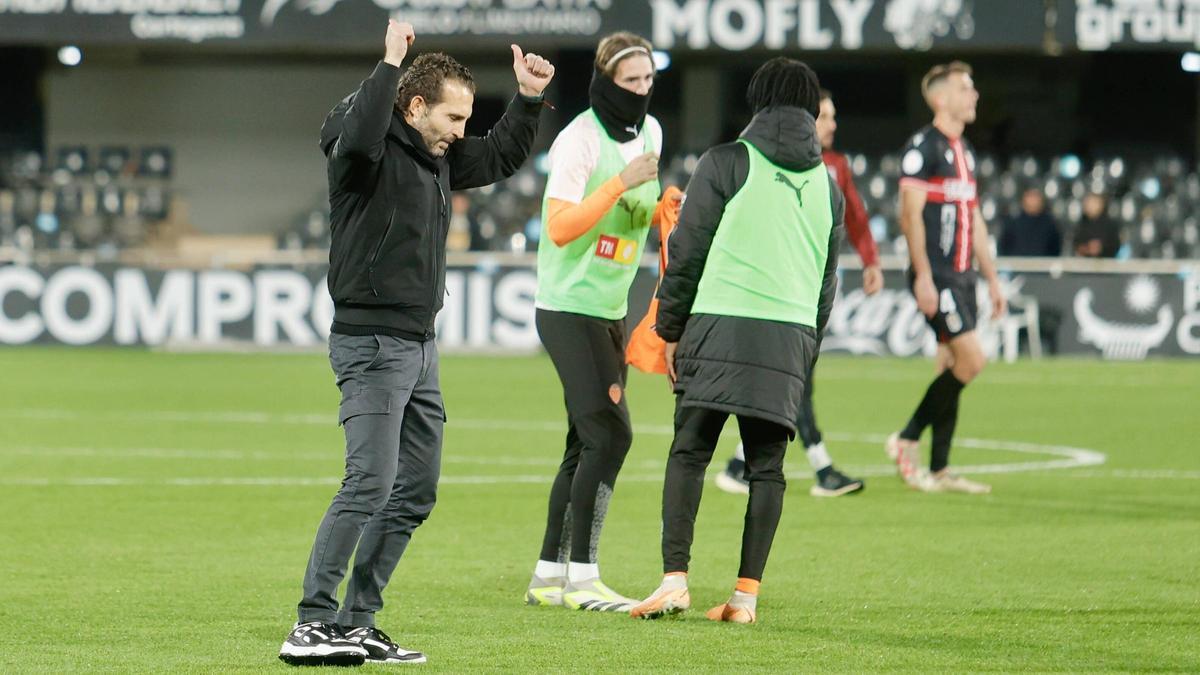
[278, 481]
[1068, 458]
[999, 375]
[1073, 456]
[284, 455]
[1142, 474]
[318, 419]
[282, 481]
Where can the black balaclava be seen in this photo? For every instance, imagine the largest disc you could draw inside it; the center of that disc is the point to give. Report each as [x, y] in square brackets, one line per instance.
[621, 111]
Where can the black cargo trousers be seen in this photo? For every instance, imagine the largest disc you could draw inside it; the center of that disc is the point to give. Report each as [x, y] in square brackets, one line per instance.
[392, 414]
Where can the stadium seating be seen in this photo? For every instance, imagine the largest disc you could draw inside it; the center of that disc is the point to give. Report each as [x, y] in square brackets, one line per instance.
[111, 197]
[503, 217]
[1156, 202]
[79, 198]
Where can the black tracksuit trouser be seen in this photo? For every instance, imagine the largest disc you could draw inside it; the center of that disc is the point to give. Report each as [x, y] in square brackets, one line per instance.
[697, 431]
[589, 356]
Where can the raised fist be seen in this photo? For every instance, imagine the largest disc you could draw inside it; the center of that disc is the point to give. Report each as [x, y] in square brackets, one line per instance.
[399, 36]
[643, 169]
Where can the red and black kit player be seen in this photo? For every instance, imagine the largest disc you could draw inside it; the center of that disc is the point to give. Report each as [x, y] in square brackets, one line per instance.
[946, 234]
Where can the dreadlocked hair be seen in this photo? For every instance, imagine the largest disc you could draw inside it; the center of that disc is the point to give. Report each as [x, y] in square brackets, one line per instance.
[784, 81]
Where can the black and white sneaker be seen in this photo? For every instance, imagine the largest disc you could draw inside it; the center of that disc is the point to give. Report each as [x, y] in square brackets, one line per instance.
[381, 648]
[835, 484]
[320, 644]
[733, 478]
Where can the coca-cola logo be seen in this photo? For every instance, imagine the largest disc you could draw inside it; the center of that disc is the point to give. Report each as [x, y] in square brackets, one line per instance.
[885, 323]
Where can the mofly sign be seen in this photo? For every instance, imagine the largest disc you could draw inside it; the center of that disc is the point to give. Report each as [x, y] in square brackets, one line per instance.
[737, 25]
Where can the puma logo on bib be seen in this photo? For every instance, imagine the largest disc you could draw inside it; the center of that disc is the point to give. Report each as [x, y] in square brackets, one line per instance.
[780, 178]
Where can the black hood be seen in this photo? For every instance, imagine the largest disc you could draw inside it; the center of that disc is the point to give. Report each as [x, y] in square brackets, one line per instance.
[787, 135]
[400, 130]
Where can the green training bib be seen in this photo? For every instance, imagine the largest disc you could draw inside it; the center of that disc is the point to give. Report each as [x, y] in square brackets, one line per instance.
[592, 274]
[767, 259]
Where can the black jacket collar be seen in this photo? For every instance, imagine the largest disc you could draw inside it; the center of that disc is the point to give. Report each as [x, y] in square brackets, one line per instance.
[410, 139]
[403, 133]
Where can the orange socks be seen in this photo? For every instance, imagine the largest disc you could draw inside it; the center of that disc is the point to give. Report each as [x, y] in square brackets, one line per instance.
[747, 586]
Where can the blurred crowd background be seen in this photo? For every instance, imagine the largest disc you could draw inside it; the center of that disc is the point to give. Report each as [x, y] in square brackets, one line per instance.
[102, 199]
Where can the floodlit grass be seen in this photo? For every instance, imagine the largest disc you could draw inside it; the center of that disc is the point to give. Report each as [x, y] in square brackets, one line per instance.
[158, 510]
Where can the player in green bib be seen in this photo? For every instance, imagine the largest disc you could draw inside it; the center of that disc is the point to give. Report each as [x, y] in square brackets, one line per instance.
[747, 291]
[602, 196]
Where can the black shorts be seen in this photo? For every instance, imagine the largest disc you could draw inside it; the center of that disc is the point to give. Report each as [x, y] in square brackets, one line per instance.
[957, 310]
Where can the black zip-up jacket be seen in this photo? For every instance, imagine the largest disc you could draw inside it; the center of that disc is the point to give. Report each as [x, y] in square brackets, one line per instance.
[389, 202]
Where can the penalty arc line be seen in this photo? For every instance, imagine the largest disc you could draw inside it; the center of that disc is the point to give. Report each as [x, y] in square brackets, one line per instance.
[1067, 457]
[299, 481]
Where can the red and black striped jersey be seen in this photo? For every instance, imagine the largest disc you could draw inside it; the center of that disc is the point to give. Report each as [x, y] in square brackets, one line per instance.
[857, 227]
[944, 169]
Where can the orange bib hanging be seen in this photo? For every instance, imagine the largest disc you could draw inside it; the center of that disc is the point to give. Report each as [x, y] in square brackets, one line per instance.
[646, 350]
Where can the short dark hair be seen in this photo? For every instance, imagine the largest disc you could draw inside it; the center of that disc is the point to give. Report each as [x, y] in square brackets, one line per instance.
[826, 95]
[784, 81]
[426, 76]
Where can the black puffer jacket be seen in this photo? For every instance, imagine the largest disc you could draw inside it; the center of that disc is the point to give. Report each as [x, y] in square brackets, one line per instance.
[389, 205]
[737, 365]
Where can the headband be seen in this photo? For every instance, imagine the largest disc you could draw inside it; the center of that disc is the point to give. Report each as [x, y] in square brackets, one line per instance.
[626, 52]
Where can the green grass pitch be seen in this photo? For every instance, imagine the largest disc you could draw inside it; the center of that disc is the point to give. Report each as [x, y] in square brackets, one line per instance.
[157, 511]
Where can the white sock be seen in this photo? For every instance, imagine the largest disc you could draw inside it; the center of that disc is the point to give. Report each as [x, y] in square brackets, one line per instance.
[673, 582]
[743, 600]
[818, 456]
[740, 452]
[577, 572]
[547, 569]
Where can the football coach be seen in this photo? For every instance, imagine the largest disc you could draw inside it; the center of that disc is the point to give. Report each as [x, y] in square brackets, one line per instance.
[395, 149]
